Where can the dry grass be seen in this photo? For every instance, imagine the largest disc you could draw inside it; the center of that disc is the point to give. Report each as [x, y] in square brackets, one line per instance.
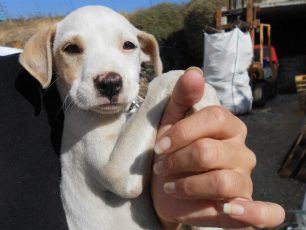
[14, 33]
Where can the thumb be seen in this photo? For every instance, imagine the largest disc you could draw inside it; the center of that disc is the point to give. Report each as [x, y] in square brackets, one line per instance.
[188, 90]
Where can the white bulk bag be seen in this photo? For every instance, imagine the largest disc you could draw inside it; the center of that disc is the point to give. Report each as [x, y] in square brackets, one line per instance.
[227, 56]
[8, 50]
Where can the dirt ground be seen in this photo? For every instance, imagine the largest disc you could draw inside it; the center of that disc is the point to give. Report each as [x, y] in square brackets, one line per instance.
[271, 132]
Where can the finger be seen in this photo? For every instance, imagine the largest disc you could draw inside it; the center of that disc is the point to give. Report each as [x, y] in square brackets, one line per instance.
[187, 91]
[256, 213]
[214, 121]
[210, 214]
[218, 184]
[206, 155]
[204, 213]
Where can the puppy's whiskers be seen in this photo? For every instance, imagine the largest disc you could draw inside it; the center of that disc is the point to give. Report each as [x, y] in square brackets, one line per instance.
[49, 87]
[63, 107]
[69, 107]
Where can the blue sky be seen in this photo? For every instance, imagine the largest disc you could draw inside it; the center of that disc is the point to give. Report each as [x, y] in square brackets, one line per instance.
[30, 8]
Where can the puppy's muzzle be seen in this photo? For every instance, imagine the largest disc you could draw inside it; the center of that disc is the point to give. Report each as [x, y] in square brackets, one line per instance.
[109, 85]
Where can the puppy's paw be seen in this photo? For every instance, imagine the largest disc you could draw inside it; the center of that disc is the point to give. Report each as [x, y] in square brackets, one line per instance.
[128, 187]
[164, 83]
[134, 186]
[124, 185]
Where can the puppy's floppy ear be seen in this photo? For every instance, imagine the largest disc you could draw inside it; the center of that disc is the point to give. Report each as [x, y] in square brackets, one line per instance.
[150, 51]
[36, 57]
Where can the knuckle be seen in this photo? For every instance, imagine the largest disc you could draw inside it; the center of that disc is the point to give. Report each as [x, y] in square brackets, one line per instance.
[180, 133]
[185, 188]
[223, 185]
[205, 154]
[250, 190]
[243, 129]
[252, 160]
[219, 114]
[171, 163]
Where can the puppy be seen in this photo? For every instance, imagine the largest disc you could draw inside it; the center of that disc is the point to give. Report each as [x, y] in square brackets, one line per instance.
[105, 158]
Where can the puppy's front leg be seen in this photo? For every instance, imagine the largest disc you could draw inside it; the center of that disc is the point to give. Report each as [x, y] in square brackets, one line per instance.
[129, 165]
[130, 162]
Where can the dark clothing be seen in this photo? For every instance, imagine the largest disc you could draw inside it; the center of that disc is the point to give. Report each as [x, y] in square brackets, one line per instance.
[31, 124]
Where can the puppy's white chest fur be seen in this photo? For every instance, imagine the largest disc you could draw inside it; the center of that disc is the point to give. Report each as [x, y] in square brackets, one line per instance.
[85, 134]
[88, 204]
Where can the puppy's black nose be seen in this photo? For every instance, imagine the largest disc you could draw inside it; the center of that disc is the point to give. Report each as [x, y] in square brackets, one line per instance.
[109, 85]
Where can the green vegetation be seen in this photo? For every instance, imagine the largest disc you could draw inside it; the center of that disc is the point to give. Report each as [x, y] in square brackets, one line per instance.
[161, 20]
[199, 13]
[179, 24]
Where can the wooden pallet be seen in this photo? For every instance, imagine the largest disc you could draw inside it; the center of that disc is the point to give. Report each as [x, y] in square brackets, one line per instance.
[294, 164]
[300, 83]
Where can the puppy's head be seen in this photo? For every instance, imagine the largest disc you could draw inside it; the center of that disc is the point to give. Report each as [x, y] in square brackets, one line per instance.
[96, 54]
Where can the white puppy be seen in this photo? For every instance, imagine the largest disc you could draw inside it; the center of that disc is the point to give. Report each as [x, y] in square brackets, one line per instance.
[105, 160]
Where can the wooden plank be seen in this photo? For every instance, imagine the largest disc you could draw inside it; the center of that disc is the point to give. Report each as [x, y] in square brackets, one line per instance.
[219, 19]
[300, 78]
[300, 83]
[295, 156]
[250, 12]
[301, 173]
[261, 41]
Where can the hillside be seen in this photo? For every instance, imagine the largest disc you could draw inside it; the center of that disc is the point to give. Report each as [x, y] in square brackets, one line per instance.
[14, 33]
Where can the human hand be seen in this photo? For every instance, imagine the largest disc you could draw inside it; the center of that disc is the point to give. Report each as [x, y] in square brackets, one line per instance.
[202, 177]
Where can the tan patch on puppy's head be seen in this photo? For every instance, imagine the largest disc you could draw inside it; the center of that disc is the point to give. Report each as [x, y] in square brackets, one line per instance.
[37, 58]
[150, 51]
[68, 58]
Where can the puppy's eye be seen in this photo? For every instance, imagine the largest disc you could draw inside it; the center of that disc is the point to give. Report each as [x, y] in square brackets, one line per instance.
[72, 49]
[129, 45]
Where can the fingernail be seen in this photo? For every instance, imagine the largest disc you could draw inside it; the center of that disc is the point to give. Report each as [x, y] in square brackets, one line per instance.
[162, 145]
[169, 187]
[195, 69]
[158, 168]
[233, 209]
